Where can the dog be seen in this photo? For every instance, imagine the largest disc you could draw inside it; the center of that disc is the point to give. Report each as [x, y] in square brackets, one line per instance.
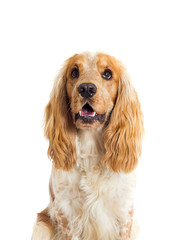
[94, 125]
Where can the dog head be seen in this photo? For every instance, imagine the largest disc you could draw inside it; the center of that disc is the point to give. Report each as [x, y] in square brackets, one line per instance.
[90, 92]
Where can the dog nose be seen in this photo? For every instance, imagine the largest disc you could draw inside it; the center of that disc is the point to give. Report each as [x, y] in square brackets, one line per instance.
[87, 90]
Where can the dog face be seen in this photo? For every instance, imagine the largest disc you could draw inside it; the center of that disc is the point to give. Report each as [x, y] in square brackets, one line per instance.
[92, 86]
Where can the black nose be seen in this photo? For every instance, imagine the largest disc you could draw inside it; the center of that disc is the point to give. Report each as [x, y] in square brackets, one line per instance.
[87, 90]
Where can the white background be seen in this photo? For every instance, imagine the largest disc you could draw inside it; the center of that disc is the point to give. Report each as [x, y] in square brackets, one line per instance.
[36, 37]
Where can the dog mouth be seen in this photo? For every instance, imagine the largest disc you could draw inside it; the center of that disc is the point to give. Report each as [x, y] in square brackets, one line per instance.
[88, 115]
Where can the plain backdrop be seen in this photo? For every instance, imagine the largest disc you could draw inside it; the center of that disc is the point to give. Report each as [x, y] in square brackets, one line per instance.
[36, 37]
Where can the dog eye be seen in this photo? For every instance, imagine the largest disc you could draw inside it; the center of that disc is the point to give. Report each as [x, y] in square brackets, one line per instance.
[75, 73]
[107, 74]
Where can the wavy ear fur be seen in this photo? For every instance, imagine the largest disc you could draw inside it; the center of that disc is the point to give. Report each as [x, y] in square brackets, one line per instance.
[123, 134]
[59, 128]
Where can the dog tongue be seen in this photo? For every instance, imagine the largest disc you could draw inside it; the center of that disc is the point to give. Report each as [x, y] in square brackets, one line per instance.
[85, 112]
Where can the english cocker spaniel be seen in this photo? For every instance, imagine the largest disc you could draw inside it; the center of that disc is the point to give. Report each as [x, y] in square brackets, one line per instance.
[94, 125]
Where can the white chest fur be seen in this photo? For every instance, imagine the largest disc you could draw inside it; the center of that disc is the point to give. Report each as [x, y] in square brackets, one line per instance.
[95, 200]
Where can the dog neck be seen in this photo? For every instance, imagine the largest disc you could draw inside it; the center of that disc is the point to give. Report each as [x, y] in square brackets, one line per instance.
[90, 148]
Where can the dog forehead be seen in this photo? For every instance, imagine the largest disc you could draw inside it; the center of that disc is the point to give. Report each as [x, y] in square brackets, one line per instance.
[86, 60]
[90, 60]
[99, 61]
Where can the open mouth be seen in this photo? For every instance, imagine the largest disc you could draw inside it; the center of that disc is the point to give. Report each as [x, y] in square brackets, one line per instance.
[87, 114]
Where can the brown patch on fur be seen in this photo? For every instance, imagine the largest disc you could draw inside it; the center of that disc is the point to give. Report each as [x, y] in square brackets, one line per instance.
[46, 220]
[125, 232]
[51, 192]
[64, 226]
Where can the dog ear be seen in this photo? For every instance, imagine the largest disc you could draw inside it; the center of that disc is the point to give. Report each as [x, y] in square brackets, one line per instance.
[123, 134]
[59, 128]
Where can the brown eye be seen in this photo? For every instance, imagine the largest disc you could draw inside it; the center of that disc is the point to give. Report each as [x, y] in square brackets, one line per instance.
[107, 74]
[75, 73]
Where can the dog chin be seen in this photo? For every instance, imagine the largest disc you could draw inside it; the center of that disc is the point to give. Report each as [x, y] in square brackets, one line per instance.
[81, 124]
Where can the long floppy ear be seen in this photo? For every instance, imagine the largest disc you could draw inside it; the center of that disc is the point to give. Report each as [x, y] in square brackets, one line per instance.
[123, 134]
[59, 128]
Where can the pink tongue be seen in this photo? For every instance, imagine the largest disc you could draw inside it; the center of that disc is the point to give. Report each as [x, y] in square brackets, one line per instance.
[86, 113]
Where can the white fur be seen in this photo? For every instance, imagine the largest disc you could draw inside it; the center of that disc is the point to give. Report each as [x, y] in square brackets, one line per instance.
[41, 232]
[95, 201]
